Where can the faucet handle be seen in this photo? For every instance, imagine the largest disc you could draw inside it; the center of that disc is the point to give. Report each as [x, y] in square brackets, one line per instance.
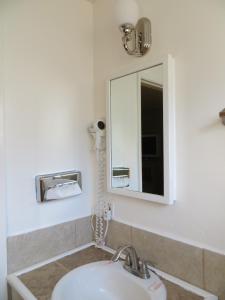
[144, 269]
[117, 255]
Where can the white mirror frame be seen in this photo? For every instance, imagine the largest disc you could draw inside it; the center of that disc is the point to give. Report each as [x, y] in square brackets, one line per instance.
[169, 136]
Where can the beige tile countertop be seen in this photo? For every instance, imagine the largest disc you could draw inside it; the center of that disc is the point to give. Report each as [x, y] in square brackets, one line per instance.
[42, 281]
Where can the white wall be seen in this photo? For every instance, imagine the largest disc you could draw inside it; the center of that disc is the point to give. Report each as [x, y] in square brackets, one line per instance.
[48, 105]
[193, 32]
[48, 49]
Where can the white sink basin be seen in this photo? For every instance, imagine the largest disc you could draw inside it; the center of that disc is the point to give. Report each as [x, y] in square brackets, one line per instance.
[106, 280]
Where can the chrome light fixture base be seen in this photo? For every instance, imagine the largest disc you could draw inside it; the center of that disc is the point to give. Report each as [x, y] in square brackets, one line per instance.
[137, 39]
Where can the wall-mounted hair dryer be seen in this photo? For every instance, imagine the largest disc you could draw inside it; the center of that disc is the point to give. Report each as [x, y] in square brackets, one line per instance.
[97, 131]
[102, 210]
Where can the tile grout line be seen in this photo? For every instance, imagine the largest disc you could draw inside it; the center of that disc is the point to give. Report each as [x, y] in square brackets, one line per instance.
[75, 233]
[131, 235]
[203, 269]
[62, 266]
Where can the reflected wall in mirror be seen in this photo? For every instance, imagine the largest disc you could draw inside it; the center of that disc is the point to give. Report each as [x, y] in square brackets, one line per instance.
[141, 134]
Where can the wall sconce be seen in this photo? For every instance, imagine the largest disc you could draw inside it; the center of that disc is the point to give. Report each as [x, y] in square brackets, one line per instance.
[136, 38]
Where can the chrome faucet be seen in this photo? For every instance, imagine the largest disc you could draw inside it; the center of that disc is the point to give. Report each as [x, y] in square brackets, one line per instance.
[133, 264]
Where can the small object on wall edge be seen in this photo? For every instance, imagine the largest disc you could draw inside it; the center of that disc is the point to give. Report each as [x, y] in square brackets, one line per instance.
[222, 116]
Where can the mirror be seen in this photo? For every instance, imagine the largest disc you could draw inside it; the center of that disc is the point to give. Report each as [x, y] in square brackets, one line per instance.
[141, 148]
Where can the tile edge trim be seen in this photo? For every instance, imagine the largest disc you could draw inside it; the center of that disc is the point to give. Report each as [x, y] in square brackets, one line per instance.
[19, 287]
[185, 285]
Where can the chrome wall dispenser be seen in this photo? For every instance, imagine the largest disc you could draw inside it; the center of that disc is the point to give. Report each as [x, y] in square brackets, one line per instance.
[58, 186]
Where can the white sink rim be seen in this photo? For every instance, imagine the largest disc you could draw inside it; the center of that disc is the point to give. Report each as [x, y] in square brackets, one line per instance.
[149, 289]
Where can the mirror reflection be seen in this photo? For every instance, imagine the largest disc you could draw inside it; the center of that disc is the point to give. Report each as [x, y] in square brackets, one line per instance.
[136, 105]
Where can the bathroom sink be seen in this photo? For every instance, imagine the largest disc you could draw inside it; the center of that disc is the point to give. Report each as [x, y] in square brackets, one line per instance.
[107, 280]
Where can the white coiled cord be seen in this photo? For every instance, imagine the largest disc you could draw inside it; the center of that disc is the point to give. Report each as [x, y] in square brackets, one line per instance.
[100, 227]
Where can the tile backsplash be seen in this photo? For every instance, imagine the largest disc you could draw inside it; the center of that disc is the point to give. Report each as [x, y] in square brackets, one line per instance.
[197, 266]
[37, 246]
[173, 257]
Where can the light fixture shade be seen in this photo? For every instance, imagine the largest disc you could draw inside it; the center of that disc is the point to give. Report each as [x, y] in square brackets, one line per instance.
[127, 11]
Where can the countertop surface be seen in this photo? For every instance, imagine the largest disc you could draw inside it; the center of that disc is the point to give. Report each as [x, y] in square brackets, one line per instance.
[42, 281]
